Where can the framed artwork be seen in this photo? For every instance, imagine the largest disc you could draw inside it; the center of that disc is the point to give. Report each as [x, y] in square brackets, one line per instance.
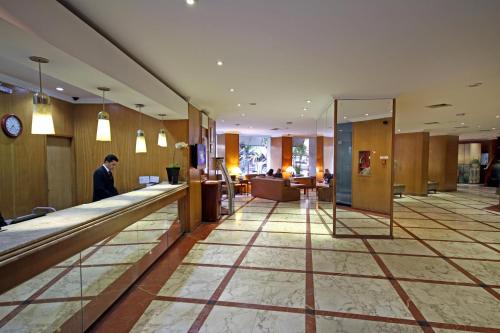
[364, 163]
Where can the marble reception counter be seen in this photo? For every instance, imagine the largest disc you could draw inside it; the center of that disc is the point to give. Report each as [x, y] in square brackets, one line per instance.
[63, 270]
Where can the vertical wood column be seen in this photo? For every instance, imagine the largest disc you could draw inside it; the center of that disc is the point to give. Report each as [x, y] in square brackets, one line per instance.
[232, 154]
[320, 167]
[411, 157]
[443, 161]
[286, 152]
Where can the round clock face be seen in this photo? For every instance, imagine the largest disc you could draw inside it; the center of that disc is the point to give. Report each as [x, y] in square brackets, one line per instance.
[12, 125]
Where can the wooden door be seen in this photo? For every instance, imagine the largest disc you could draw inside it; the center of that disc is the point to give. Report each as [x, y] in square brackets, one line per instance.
[60, 172]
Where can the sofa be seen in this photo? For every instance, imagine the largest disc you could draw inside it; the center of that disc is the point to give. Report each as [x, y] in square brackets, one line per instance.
[276, 189]
[326, 192]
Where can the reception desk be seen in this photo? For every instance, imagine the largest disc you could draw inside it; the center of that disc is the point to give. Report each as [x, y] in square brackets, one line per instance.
[63, 270]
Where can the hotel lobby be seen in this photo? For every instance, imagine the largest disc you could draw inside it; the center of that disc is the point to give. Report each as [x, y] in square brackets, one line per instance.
[250, 166]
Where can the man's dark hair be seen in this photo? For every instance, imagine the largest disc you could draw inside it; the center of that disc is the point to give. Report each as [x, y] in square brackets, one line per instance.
[110, 158]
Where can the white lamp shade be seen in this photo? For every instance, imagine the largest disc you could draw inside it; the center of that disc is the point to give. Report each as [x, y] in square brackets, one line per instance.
[162, 138]
[103, 130]
[140, 143]
[236, 171]
[42, 122]
[290, 170]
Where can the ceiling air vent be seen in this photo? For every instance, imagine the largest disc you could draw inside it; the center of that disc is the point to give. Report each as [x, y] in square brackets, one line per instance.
[437, 106]
[461, 127]
[431, 123]
[252, 104]
[460, 114]
[289, 122]
[474, 85]
[484, 130]
[274, 129]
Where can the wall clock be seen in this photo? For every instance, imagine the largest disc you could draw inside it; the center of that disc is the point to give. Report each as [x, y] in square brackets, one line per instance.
[12, 125]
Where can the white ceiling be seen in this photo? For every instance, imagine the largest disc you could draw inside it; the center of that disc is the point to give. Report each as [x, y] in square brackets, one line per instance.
[280, 53]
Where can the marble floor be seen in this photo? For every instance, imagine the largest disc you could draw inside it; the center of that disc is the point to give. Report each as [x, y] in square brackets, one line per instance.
[59, 298]
[274, 267]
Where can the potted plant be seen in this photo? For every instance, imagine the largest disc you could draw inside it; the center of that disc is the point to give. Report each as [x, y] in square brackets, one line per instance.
[174, 168]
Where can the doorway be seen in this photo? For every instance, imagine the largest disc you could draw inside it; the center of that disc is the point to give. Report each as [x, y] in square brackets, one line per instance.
[60, 172]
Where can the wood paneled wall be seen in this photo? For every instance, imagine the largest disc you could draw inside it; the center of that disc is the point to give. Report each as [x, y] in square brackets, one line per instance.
[177, 131]
[320, 142]
[443, 161]
[286, 152]
[23, 161]
[411, 162]
[124, 124]
[232, 143]
[372, 192]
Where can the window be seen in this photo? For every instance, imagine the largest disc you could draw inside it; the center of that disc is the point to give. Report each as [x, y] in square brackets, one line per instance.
[254, 152]
[300, 156]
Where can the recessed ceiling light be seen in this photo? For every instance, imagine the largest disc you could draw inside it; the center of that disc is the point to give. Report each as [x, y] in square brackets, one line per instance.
[462, 123]
[242, 114]
[305, 109]
[239, 104]
[222, 120]
[345, 117]
[302, 115]
[497, 116]
[399, 130]
[231, 90]
[493, 128]
[366, 114]
[62, 89]
[191, 2]
[308, 101]
[219, 63]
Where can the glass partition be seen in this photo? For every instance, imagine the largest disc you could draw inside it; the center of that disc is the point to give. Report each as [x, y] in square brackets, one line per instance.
[363, 145]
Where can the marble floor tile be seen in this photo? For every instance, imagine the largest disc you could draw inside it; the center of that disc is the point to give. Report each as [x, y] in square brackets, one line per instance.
[350, 215]
[49, 317]
[5, 310]
[421, 223]
[141, 236]
[285, 227]
[358, 295]
[320, 228]
[454, 304]
[288, 217]
[130, 253]
[281, 239]
[28, 288]
[485, 236]
[90, 280]
[265, 287]
[228, 319]
[248, 216]
[343, 262]
[275, 258]
[193, 282]
[486, 271]
[213, 254]
[330, 243]
[414, 215]
[423, 268]
[366, 222]
[229, 237]
[400, 246]
[344, 325]
[438, 234]
[463, 250]
[447, 216]
[240, 225]
[463, 225]
[167, 317]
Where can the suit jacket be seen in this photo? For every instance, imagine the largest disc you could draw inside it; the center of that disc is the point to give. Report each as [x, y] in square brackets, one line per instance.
[104, 184]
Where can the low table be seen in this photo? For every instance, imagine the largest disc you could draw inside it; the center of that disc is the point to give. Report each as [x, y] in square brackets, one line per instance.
[299, 186]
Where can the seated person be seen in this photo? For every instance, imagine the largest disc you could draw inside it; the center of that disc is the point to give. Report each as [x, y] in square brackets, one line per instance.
[278, 174]
[327, 176]
[270, 173]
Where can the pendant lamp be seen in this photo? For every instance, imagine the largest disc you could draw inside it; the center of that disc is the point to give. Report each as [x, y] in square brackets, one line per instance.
[41, 122]
[140, 141]
[103, 124]
[162, 135]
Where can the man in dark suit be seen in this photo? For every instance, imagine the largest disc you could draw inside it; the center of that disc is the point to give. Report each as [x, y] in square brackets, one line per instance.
[104, 184]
